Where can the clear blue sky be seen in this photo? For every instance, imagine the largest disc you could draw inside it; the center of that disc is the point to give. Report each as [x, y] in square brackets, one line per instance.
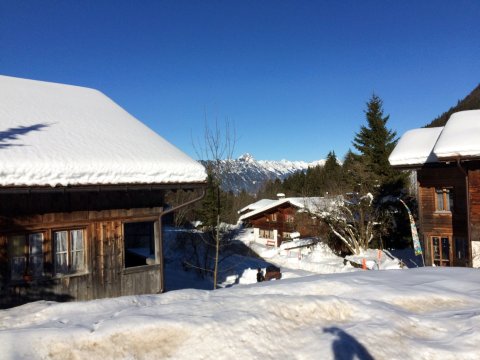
[293, 76]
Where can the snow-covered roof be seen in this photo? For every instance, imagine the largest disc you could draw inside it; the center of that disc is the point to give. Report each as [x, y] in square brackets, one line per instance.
[416, 147]
[257, 205]
[303, 203]
[461, 136]
[55, 134]
[458, 139]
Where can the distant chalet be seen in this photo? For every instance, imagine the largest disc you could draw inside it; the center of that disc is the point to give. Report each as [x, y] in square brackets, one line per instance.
[281, 220]
[447, 160]
[82, 185]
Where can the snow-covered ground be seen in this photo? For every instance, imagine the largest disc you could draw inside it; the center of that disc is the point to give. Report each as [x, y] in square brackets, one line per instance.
[344, 313]
[425, 313]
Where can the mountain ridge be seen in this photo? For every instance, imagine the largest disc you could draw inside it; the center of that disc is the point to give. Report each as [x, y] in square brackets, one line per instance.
[469, 102]
[248, 174]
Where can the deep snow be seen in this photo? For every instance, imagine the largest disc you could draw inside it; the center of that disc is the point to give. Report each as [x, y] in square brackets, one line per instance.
[420, 313]
[425, 313]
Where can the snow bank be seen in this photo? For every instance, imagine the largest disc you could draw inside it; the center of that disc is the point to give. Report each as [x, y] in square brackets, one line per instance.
[428, 313]
[55, 134]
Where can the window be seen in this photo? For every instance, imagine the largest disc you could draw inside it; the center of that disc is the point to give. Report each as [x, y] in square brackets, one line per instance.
[289, 218]
[444, 199]
[266, 234]
[461, 248]
[26, 255]
[69, 248]
[441, 250]
[139, 243]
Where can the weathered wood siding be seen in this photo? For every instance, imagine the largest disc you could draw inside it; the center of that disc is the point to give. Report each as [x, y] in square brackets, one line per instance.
[105, 274]
[474, 193]
[438, 223]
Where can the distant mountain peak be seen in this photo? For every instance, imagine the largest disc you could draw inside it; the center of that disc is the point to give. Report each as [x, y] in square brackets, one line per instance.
[248, 174]
[247, 157]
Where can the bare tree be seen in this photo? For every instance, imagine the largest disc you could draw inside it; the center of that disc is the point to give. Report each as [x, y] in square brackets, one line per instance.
[184, 214]
[216, 151]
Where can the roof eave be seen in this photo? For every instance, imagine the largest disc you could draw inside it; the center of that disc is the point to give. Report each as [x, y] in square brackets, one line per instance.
[102, 187]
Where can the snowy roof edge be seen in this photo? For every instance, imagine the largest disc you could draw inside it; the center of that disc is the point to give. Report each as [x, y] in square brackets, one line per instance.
[458, 139]
[278, 203]
[69, 135]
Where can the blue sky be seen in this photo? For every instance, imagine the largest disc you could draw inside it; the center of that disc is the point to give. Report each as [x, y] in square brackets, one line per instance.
[292, 76]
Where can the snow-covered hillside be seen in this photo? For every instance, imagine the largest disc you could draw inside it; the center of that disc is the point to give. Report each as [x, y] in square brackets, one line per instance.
[246, 173]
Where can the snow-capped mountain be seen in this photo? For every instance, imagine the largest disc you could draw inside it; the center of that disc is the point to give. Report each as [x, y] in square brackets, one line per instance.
[246, 173]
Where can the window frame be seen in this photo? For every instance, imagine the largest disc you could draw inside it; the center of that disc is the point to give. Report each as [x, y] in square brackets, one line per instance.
[266, 234]
[69, 251]
[447, 198]
[441, 260]
[27, 254]
[156, 243]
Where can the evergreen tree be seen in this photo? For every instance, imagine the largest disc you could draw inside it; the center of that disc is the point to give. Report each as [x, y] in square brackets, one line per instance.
[211, 204]
[332, 175]
[331, 163]
[375, 142]
[354, 174]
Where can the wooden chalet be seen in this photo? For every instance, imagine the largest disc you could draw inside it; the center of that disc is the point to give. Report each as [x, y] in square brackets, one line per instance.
[82, 186]
[276, 221]
[447, 164]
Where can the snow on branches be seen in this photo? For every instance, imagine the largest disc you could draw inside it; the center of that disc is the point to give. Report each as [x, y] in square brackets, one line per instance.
[352, 220]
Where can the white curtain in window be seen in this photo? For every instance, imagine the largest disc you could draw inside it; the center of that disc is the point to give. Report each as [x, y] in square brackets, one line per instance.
[61, 262]
[76, 248]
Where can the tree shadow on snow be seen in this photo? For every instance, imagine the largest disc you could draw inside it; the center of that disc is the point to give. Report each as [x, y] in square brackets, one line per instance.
[346, 347]
[9, 135]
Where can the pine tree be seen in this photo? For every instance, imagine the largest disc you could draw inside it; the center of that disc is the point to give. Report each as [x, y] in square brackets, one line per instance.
[354, 173]
[375, 142]
[210, 205]
[331, 163]
[332, 175]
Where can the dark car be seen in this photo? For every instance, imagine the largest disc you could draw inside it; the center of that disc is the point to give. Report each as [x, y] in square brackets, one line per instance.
[272, 272]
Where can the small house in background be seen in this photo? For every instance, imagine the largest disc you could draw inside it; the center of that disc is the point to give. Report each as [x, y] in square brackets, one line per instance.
[82, 186]
[276, 221]
[447, 162]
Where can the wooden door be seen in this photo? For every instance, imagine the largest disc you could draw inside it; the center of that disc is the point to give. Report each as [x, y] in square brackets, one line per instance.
[442, 250]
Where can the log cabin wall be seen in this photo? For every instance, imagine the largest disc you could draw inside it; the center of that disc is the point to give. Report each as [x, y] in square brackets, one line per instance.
[104, 272]
[451, 224]
[474, 194]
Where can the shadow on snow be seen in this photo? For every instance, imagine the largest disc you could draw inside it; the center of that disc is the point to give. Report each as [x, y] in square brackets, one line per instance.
[9, 135]
[346, 347]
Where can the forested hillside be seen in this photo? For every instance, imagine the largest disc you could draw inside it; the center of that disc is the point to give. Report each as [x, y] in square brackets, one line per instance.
[470, 102]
